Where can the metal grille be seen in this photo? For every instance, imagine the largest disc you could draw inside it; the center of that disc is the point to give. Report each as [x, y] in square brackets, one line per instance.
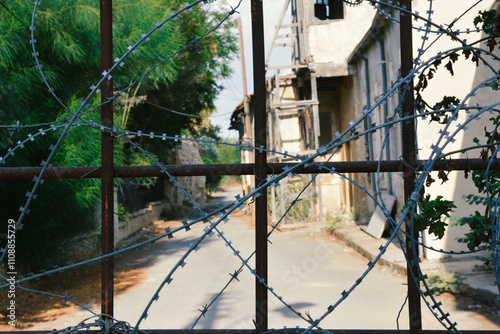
[261, 169]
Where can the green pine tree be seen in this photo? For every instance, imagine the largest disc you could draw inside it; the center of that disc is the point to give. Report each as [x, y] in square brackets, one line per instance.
[67, 41]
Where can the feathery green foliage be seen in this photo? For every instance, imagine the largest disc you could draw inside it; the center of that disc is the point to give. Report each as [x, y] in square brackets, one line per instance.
[67, 35]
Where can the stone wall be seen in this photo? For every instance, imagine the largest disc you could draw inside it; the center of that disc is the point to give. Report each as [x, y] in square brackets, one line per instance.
[186, 154]
[137, 220]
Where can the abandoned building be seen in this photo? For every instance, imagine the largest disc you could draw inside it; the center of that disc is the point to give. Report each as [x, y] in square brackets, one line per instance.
[325, 86]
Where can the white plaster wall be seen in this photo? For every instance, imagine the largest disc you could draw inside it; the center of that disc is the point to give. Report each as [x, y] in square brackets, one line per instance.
[290, 134]
[392, 58]
[287, 127]
[332, 41]
[466, 77]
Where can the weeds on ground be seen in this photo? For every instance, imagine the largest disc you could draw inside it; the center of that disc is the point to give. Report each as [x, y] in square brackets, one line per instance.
[487, 265]
[443, 281]
[333, 222]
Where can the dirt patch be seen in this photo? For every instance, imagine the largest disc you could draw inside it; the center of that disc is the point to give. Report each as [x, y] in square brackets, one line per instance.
[82, 284]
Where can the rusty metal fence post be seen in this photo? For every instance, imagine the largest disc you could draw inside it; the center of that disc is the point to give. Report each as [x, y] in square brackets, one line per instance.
[260, 135]
[409, 155]
[107, 177]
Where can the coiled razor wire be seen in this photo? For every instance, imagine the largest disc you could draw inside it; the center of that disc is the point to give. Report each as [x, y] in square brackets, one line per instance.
[103, 323]
[447, 134]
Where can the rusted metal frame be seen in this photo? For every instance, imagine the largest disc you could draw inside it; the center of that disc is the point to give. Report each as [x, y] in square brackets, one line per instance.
[107, 170]
[290, 331]
[409, 155]
[107, 173]
[27, 173]
[260, 137]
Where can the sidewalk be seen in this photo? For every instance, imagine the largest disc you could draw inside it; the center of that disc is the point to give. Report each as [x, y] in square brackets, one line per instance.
[481, 284]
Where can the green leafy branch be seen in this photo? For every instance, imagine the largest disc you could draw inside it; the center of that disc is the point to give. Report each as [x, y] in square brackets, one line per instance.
[490, 24]
[434, 212]
[480, 230]
[432, 216]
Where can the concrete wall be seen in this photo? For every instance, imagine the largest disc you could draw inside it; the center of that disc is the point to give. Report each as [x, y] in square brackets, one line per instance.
[187, 153]
[284, 128]
[369, 88]
[466, 77]
[139, 219]
[342, 36]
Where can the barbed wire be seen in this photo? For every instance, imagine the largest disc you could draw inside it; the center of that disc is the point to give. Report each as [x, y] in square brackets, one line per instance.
[446, 136]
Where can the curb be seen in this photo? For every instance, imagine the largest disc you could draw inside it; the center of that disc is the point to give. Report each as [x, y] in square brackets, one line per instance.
[366, 245]
[396, 267]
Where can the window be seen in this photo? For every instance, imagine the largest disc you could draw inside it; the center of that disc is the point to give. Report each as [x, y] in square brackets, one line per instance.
[329, 9]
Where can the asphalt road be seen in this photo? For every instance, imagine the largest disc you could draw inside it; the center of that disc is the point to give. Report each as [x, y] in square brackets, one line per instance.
[308, 269]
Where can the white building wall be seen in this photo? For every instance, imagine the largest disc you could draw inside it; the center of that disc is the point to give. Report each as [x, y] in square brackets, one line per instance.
[332, 41]
[466, 77]
[373, 90]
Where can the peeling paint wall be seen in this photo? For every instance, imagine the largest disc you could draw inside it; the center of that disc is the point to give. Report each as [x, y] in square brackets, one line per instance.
[342, 35]
[466, 77]
[368, 74]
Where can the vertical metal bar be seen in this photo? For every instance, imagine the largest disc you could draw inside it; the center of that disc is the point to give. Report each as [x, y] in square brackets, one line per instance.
[317, 133]
[259, 73]
[107, 193]
[409, 155]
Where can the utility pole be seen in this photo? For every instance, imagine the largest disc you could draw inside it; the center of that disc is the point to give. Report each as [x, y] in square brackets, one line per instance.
[246, 106]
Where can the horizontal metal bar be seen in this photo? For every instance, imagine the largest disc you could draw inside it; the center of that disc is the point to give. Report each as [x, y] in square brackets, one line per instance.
[20, 173]
[289, 331]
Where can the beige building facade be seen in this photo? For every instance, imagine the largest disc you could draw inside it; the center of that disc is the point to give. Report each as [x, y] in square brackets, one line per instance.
[344, 60]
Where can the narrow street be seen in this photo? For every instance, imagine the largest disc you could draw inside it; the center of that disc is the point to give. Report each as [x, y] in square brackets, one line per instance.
[309, 269]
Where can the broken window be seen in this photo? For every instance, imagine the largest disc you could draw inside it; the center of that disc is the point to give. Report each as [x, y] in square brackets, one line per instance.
[329, 9]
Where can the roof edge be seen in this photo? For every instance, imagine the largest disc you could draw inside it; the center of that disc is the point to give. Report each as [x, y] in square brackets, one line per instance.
[380, 23]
